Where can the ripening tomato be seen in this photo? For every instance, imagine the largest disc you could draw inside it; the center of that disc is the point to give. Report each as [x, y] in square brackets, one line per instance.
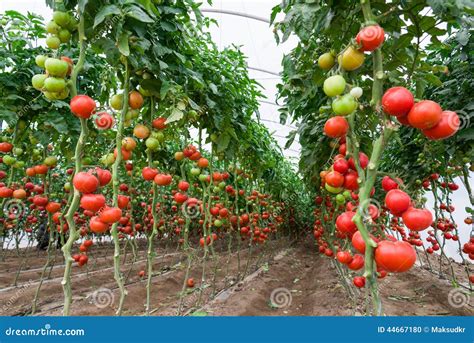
[425, 114]
[370, 37]
[163, 179]
[447, 126]
[41, 169]
[203, 162]
[82, 106]
[85, 182]
[351, 59]
[397, 202]
[19, 194]
[53, 207]
[141, 131]
[6, 192]
[5, 147]
[417, 219]
[397, 101]
[336, 127]
[135, 100]
[326, 61]
[159, 123]
[395, 257]
[334, 179]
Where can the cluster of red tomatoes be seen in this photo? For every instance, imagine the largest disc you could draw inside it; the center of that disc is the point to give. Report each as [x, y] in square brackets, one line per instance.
[425, 115]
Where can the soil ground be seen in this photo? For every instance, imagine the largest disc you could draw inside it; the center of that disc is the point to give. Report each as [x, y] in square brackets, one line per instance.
[280, 280]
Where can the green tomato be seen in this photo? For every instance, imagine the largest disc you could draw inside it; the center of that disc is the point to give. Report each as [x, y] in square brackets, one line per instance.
[61, 18]
[87, 161]
[195, 171]
[51, 161]
[334, 85]
[67, 187]
[62, 94]
[202, 177]
[344, 105]
[52, 27]
[40, 60]
[214, 137]
[160, 136]
[340, 198]
[116, 102]
[53, 42]
[216, 189]
[64, 35]
[347, 194]
[56, 67]
[333, 190]
[109, 159]
[17, 151]
[9, 160]
[19, 164]
[222, 185]
[54, 84]
[152, 143]
[218, 223]
[38, 81]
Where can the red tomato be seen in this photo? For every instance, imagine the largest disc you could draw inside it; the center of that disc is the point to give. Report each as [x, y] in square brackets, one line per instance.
[85, 182]
[183, 186]
[163, 179]
[336, 127]
[5, 147]
[447, 126]
[395, 257]
[356, 263]
[359, 281]
[397, 202]
[425, 114]
[82, 106]
[363, 161]
[92, 202]
[53, 207]
[344, 257]
[110, 215]
[388, 184]
[341, 166]
[397, 101]
[97, 226]
[370, 37]
[149, 173]
[103, 175]
[417, 219]
[350, 180]
[344, 223]
[159, 123]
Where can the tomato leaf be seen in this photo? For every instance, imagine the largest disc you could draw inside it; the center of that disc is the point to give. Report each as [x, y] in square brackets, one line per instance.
[105, 12]
[123, 44]
[138, 14]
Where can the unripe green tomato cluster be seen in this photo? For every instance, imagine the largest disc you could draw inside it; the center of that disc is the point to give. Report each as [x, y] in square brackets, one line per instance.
[53, 84]
[60, 29]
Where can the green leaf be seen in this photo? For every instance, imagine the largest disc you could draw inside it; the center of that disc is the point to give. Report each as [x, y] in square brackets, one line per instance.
[138, 14]
[123, 44]
[176, 115]
[223, 142]
[105, 12]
